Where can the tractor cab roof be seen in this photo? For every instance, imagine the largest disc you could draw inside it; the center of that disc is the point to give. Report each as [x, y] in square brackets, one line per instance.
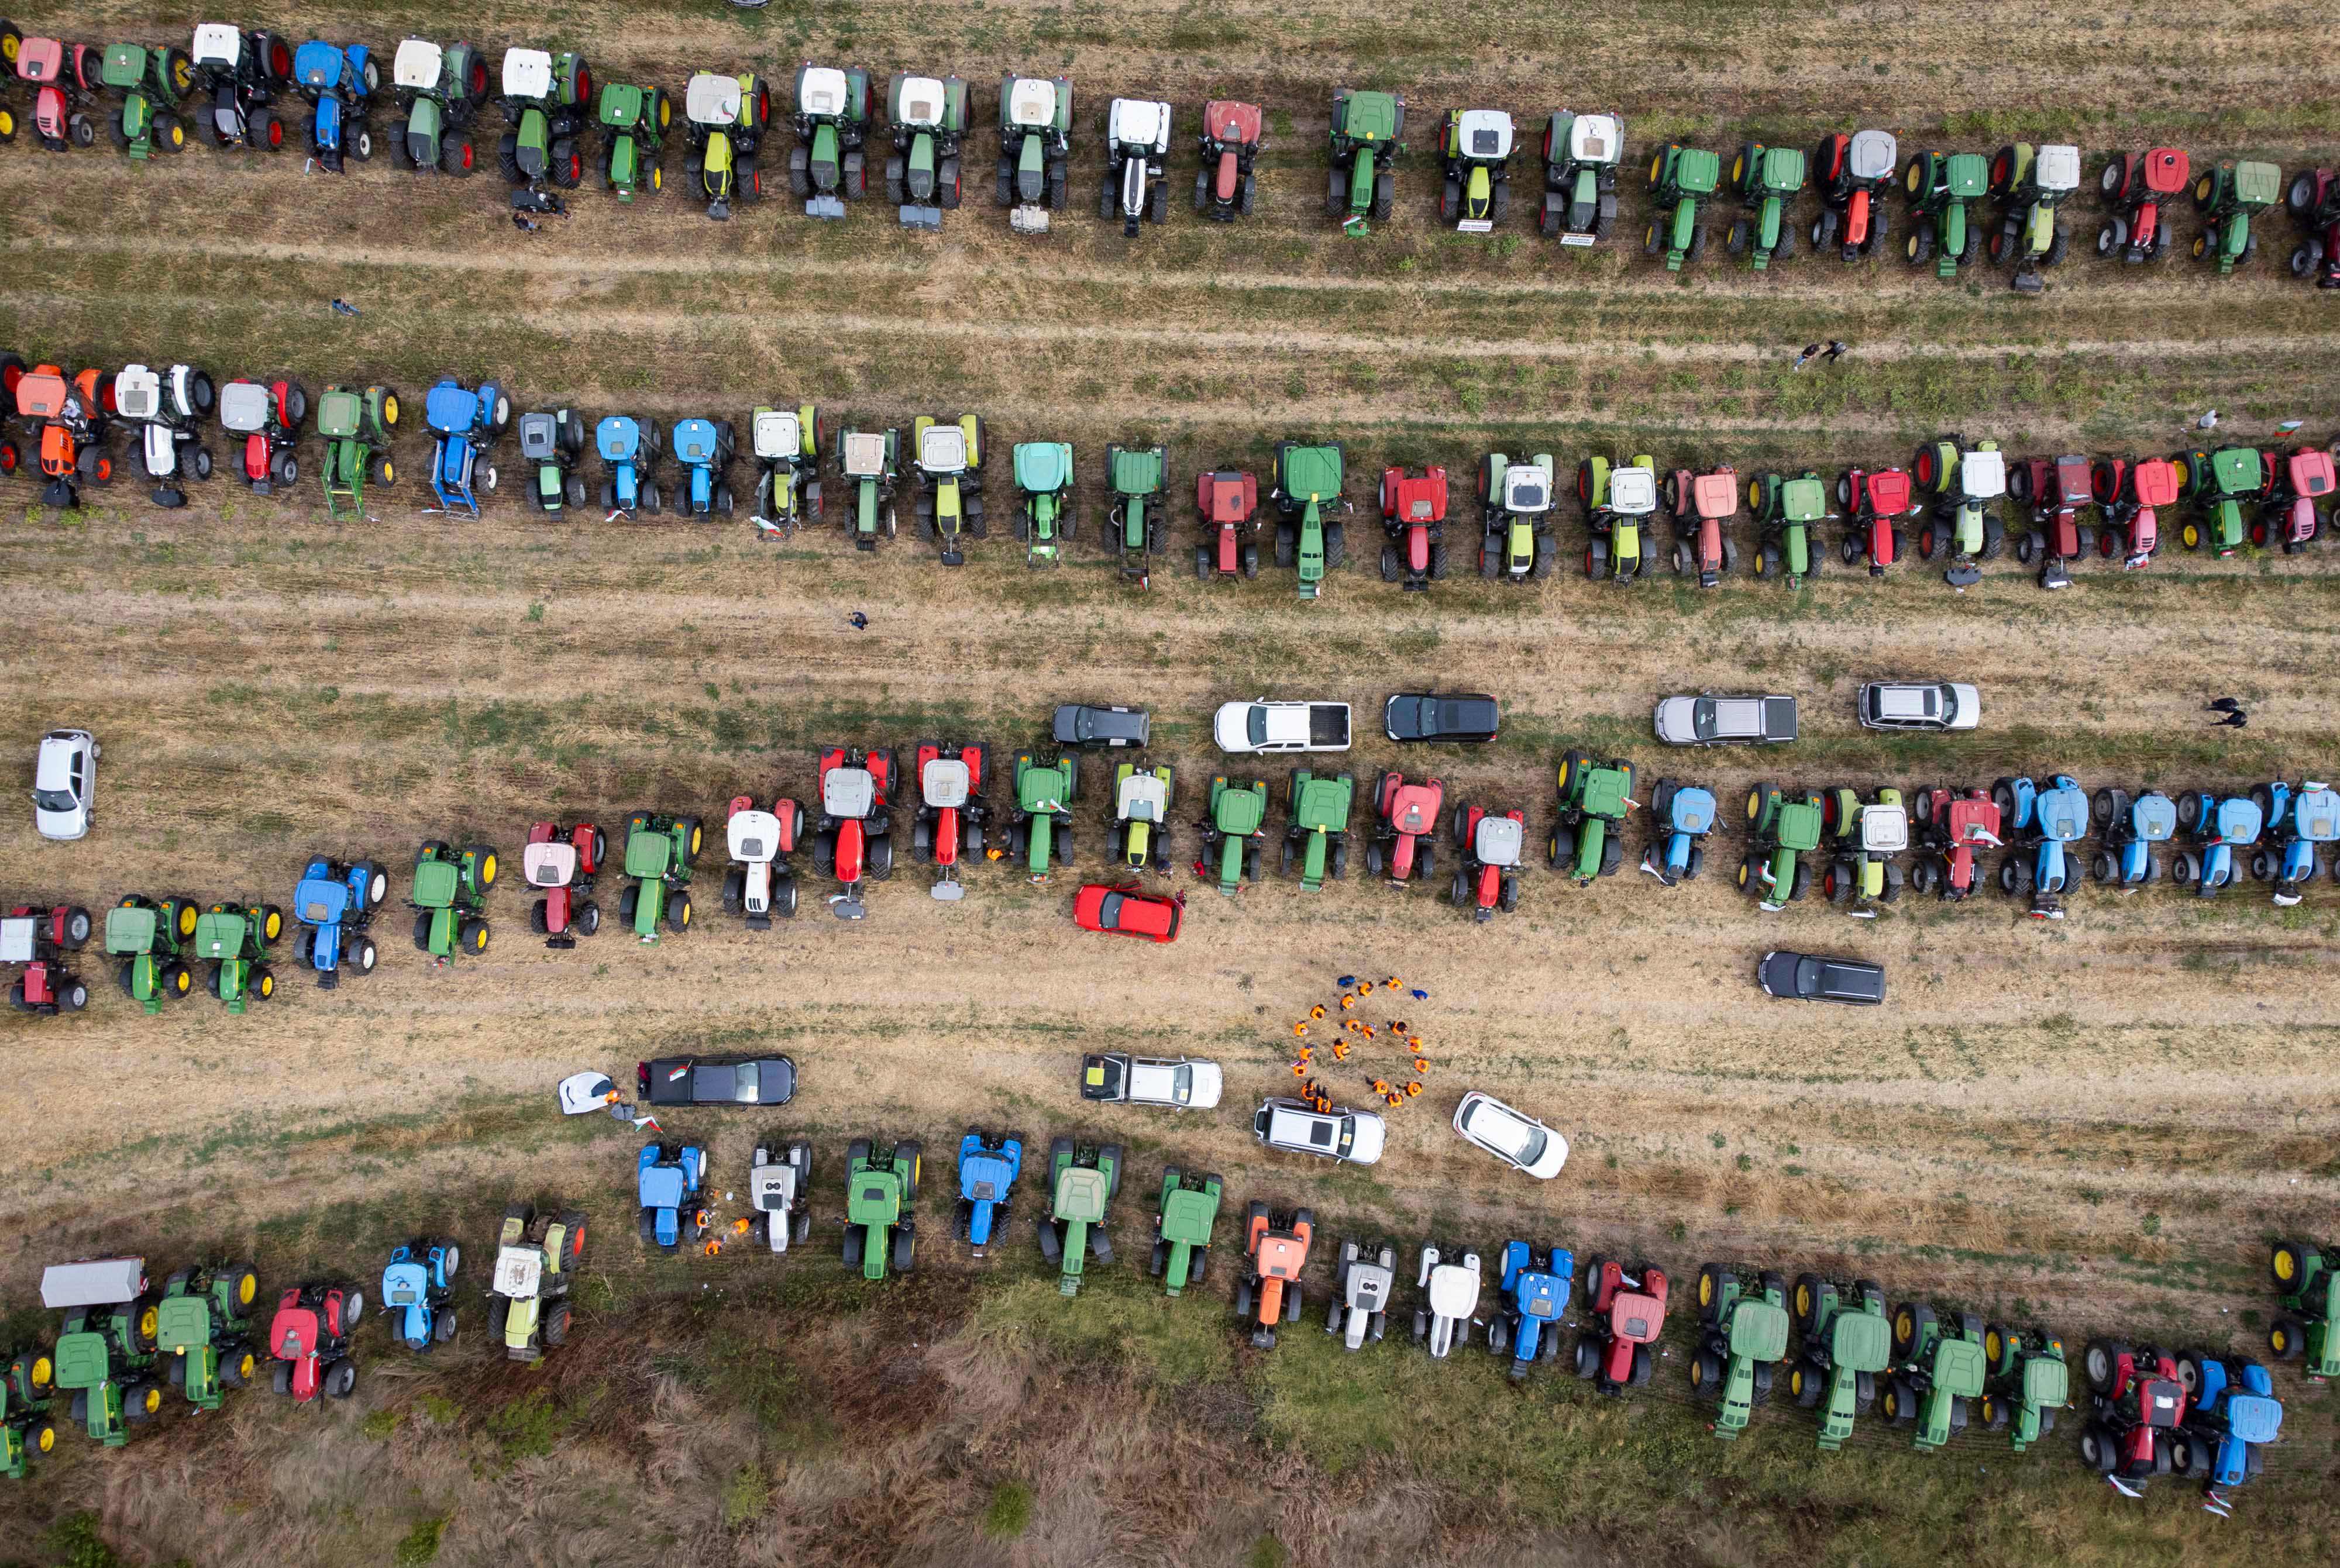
[847, 791]
[2063, 814]
[1232, 122]
[1889, 491]
[519, 1269]
[710, 98]
[1482, 134]
[415, 66]
[138, 394]
[1884, 829]
[1959, 1367]
[528, 74]
[942, 448]
[874, 1197]
[618, 438]
[1759, 1329]
[919, 101]
[2257, 185]
[1539, 1294]
[244, 408]
[752, 836]
[218, 44]
[550, 865]
[1497, 841]
[2072, 474]
[93, 1282]
[1280, 1257]
[19, 937]
[40, 59]
[771, 1184]
[2237, 470]
[1982, 474]
[1872, 155]
[1414, 807]
[1143, 796]
[1603, 791]
[2239, 819]
[1714, 494]
[1861, 1342]
[320, 900]
[663, 1186]
[1802, 500]
[1633, 491]
[821, 92]
[2056, 168]
[130, 929]
[219, 932]
[1691, 810]
[1366, 116]
[405, 1284]
[1967, 174]
[1238, 809]
[1137, 470]
[1043, 467]
[777, 433]
[1081, 1193]
[1030, 102]
[1187, 1213]
[2254, 1417]
[2046, 1381]
[447, 407]
[1596, 139]
[1040, 787]
[1455, 1288]
[1418, 497]
[1140, 124]
[337, 414]
[650, 851]
[1527, 489]
[2165, 170]
[1798, 827]
[696, 441]
[943, 782]
[1696, 171]
[1781, 171]
[2155, 482]
[863, 454]
[986, 1176]
[1972, 821]
[2311, 471]
[124, 66]
[539, 433]
[1308, 473]
[1636, 1317]
[2153, 818]
[435, 882]
[82, 1360]
[2316, 814]
[42, 395]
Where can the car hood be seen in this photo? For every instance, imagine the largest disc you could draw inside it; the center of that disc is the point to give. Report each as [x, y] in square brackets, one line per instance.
[1365, 1142]
[1969, 702]
[1206, 1087]
[59, 824]
[1677, 721]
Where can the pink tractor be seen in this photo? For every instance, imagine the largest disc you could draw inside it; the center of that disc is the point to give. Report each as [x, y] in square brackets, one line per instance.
[2139, 191]
[2132, 491]
[1404, 843]
[1628, 1313]
[561, 862]
[2298, 482]
[1702, 505]
[65, 80]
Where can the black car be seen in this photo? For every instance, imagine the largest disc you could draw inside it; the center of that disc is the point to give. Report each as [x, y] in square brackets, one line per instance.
[1468, 716]
[716, 1080]
[1082, 724]
[1807, 977]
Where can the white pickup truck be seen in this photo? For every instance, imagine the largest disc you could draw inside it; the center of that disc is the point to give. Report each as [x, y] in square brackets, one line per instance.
[1266, 727]
[1179, 1081]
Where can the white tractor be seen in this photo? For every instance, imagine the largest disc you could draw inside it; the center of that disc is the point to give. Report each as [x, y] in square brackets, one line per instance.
[758, 885]
[1137, 141]
[1362, 1282]
[781, 1192]
[1451, 1283]
[167, 407]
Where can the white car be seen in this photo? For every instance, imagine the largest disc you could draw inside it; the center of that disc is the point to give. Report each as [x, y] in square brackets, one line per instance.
[1918, 705]
[63, 779]
[1243, 728]
[1180, 1082]
[1520, 1141]
[1354, 1136]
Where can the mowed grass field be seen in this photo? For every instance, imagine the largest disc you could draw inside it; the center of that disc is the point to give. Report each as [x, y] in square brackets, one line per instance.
[2097, 1124]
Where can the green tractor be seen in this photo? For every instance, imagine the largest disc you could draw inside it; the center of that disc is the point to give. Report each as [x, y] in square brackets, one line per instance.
[2028, 1383]
[1785, 513]
[1942, 188]
[1682, 179]
[1042, 833]
[871, 462]
[2308, 1278]
[948, 456]
[203, 1323]
[1317, 840]
[1036, 145]
[1743, 1336]
[1141, 816]
[546, 97]
[1589, 840]
[1235, 827]
[659, 851]
[152, 84]
[2030, 184]
[634, 122]
[1865, 835]
[356, 427]
[26, 1430]
[2217, 488]
[880, 1191]
[1782, 826]
[1307, 484]
[438, 90]
[827, 167]
[451, 899]
[1043, 477]
[926, 116]
[1939, 1366]
[1182, 1226]
[1082, 1180]
[2227, 196]
[105, 1352]
[151, 938]
[1956, 481]
[1767, 181]
[1133, 478]
[1846, 1342]
[1368, 139]
[236, 938]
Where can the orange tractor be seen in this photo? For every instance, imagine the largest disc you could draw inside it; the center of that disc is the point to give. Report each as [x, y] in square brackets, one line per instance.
[73, 418]
[1277, 1245]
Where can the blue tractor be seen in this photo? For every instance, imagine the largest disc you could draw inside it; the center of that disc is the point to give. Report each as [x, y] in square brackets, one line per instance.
[2041, 824]
[1533, 1300]
[2219, 827]
[464, 428]
[630, 453]
[987, 1170]
[418, 1291]
[667, 1180]
[2298, 819]
[340, 86]
[335, 903]
[1685, 813]
[2129, 827]
[703, 448]
[2231, 1415]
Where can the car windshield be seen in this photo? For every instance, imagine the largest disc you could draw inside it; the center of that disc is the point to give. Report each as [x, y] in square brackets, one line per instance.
[54, 800]
[1255, 724]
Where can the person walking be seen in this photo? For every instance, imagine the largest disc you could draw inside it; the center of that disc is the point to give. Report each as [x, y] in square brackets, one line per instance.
[2222, 705]
[1836, 350]
[1810, 350]
[2235, 720]
[343, 307]
[858, 621]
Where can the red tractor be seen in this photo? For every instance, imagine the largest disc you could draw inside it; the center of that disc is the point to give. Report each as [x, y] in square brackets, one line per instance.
[74, 418]
[1628, 1313]
[560, 861]
[1228, 499]
[2296, 481]
[2053, 489]
[1702, 505]
[1874, 504]
[2132, 491]
[852, 833]
[2314, 202]
[948, 827]
[1231, 144]
[1404, 845]
[309, 1337]
[65, 78]
[1853, 174]
[2139, 191]
[2137, 1404]
[1951, 830]
[1277, 1246]
[39, 938]
[1488, 877]
[269, 417]
[1413, 515]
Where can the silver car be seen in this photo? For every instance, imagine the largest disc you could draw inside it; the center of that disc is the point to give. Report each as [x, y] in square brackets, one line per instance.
[63, 779]
[1918, 705]
[1354, 1136]
[1709, 720]
[1516, 1139]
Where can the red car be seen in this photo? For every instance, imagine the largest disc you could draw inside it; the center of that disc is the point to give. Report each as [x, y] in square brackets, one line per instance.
[1129, 911]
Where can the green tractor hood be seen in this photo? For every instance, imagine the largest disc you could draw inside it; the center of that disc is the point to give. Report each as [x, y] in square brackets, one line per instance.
[1758, 1336]
[1957, 1373]
[1858, 1342]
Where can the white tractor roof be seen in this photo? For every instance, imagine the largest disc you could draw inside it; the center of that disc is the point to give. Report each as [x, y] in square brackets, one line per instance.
[709, 99]
[416, 64]
[777, 434]
[548, 864]
[1632, 490]
[518, 1268]
[1454, 1287]
[1498, 841]
[1983, 475]
[1596, 139]
[1884, 829]
[2057, 167]
[1144, 797]
[822, 92]
[217, 44]
[1139, 122]
[528, 74]
[753, 836]
[848, 793]
[944, 783]
[864, 455]
[1031, 101]
[1874, 154]
[942, 449]
[98, 1282]
[17, 932]
[1527, 489]
[243, 406]
[772, 1185]
[137, 392]
[1484, 134]
[922, 101]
